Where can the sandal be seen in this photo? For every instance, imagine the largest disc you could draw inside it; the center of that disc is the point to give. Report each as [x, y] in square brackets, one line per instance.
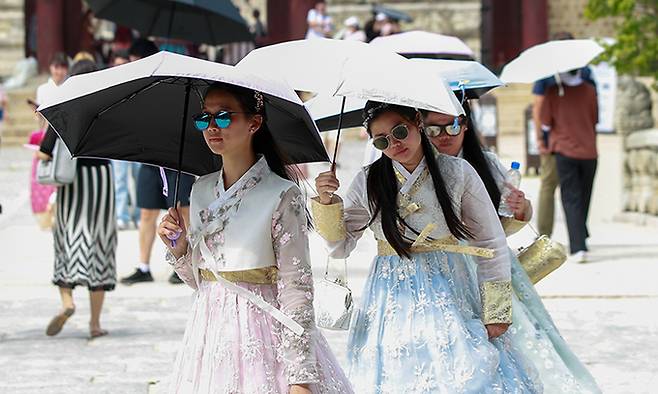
[97, 333]
[57, 323]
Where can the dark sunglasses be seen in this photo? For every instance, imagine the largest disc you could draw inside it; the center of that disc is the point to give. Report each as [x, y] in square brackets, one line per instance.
[222, 119]
[399, 132]
[451, 129]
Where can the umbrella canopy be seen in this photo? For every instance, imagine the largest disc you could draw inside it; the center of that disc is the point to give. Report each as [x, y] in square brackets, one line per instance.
[470, 77]
[212, 22]
[397, 81]
[392, 13]
[545, 60]
[463, 75]
[310, 65]
[141, 112]
[424, 44]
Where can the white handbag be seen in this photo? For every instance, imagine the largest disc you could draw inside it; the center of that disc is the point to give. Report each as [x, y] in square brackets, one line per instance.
[333, 301]
[60, 170]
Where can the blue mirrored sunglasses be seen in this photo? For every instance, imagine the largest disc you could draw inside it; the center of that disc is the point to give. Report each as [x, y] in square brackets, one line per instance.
[222, 119]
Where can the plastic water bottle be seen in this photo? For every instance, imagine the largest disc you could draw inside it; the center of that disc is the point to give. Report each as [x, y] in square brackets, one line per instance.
[513, 177]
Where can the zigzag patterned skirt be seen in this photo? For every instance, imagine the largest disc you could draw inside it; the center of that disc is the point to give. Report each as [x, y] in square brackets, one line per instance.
[85, 231]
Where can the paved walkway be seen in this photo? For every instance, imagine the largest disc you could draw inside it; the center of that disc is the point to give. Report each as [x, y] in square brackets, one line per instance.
[606, 309]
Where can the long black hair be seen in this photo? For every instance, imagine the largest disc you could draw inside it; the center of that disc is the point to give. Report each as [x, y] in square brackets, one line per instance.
[383, 189]
[473, 152]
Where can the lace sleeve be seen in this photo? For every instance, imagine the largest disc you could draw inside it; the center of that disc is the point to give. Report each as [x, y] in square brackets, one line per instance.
[342, 224]
[494, 274]
[183, 267]
[295, 285]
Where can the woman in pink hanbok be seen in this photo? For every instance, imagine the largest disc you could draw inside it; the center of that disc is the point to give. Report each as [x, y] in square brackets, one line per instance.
[245, 251]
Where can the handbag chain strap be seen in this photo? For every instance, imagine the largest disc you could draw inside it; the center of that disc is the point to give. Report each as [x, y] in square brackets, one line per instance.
[340, 279]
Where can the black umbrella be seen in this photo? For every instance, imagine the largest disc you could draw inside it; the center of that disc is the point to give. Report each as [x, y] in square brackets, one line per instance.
[212, 22]
[141, 111]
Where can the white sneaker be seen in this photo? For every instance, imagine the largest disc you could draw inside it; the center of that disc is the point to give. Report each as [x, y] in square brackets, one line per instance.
[579, 257]
[122, 225]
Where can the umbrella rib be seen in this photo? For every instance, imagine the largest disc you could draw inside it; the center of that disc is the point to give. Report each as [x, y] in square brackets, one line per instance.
[210, 30]
[155, 19]
[109, 107]
[128, 97]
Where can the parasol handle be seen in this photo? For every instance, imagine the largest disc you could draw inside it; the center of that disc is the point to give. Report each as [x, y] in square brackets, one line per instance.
[340, 125]
[188, 87]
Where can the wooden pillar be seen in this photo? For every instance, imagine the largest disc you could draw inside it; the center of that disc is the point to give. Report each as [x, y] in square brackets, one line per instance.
[50, 24]
[534, 23]
[75, 38]
[286, 20]
[29, 12]
[501, 32]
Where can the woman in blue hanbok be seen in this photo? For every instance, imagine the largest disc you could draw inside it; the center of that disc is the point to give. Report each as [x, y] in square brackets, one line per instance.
[559, 369]
[426, 322]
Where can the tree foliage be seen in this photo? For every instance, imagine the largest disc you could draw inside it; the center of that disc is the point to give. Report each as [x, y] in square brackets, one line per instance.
[635, 50]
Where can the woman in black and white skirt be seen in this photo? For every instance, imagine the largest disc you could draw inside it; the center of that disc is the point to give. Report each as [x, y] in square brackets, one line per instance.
[84, 233]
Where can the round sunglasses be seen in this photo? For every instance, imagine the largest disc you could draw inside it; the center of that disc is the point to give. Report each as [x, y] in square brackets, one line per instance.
[399, 132]
[222, 119]
[452, 129]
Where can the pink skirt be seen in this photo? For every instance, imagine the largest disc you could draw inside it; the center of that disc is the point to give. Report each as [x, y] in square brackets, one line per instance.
[39, 194]
[230, 346]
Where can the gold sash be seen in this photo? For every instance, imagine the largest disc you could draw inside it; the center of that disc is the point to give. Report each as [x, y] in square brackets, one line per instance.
[449, 244]
[259, 276]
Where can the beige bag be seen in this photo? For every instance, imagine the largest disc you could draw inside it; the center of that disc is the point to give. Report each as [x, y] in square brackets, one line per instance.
[542, 257]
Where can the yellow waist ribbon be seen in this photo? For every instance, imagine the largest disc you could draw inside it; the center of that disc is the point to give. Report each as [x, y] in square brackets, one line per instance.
[448, 244]
[259, 276]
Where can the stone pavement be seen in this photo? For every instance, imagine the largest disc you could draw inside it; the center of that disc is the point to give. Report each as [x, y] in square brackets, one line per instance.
[605, 309]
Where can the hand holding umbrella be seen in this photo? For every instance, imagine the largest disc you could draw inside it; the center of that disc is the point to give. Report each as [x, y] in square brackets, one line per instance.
[171, 228]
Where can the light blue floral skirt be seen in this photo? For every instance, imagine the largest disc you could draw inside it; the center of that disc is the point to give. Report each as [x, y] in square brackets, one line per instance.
[559, 369]
[418, 330]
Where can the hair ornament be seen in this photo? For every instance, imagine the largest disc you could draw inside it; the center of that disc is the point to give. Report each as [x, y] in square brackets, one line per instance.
[370, 114]
[260, 102]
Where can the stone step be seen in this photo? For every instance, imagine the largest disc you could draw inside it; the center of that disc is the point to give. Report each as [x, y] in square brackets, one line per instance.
[21, 119]
[21, 132]
[7, 4]
[13, 140]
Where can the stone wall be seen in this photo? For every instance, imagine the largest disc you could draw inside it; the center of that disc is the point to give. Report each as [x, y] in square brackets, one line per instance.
[12, 35]
[635, 122]
[568, 15]
[461, 19]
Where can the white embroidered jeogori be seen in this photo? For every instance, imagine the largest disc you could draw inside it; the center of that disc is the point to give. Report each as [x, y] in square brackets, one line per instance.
[410, 177]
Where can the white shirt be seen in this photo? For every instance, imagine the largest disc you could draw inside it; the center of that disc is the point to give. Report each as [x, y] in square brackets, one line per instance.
[45, 91]
[323, 19]
[357, 35]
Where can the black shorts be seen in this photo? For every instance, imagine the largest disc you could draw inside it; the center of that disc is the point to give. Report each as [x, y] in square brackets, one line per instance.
[149, 188]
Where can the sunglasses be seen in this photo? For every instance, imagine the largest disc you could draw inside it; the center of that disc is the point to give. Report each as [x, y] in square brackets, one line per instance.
[399, 132]
[222, 119]
[451, 129]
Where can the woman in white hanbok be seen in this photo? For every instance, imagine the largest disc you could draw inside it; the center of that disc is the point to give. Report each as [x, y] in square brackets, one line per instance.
[559, 369]
[426, 322]
[251, 328]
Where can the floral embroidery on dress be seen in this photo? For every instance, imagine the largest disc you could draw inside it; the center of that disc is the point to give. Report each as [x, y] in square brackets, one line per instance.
[295, 284]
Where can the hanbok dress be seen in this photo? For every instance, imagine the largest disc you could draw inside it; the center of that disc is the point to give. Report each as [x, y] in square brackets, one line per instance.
[420, 323]
[251, 327]
[532, 327]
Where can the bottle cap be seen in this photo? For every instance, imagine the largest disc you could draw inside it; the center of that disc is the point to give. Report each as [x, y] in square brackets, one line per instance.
[516, 165]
